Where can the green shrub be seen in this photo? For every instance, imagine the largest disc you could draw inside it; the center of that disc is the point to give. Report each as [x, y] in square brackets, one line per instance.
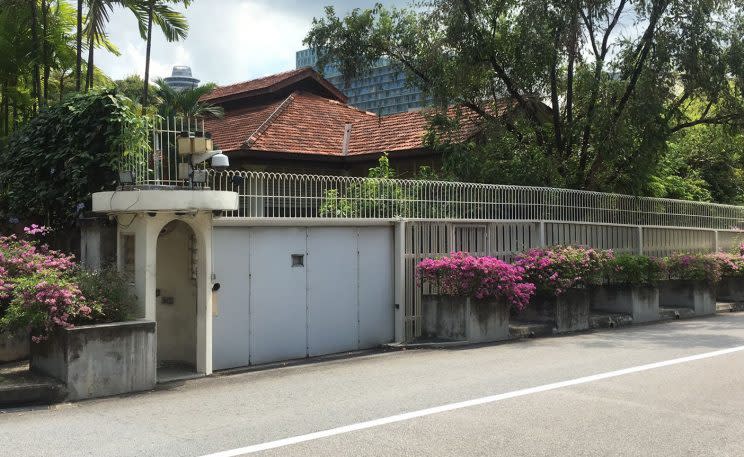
[633, 270]
[692, 267]
[111, 290]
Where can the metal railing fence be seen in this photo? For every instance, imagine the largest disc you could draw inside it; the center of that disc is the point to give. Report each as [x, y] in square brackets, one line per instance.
[280, 195]
[159, 165]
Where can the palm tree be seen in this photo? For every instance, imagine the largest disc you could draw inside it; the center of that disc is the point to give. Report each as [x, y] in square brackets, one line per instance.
[173, 103]
[99, 12]
[79, 45]
[172, 23]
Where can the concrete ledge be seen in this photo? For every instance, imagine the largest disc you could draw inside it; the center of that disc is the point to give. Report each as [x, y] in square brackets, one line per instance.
[139, 200]
[464, 319]
[100, 360]
[695, 295]
[641, 302]
[730, 289]
[14, 346]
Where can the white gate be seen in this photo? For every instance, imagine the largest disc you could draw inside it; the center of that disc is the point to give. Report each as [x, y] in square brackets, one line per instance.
[291, 292]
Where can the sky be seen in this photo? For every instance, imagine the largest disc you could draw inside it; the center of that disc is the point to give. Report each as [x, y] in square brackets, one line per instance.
[229, 40]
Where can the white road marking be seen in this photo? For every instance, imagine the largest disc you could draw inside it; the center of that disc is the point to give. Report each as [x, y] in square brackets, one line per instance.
[464, 404]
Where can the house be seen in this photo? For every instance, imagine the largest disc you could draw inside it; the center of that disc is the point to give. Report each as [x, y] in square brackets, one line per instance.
[298, 122]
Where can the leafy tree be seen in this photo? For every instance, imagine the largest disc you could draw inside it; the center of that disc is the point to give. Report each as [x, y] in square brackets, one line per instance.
[582, 94]
[172, 103]
[131, 86]
[54, 163]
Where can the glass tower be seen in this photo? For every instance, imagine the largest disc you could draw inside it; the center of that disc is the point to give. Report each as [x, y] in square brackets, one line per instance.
[382, 90]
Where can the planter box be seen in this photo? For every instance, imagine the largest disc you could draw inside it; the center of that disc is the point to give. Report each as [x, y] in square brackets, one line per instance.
[14, 346]
[100, 360]
[465, 319]
[730, 289]
[569, 311]
[695, 295]
[641, 302]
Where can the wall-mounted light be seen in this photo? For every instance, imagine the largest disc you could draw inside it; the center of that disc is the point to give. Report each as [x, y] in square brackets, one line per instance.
[126, 178]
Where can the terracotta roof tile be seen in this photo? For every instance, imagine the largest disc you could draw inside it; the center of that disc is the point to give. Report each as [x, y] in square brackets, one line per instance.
[270, 83]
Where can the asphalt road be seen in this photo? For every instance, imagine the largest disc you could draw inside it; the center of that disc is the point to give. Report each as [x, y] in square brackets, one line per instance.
[577, 403]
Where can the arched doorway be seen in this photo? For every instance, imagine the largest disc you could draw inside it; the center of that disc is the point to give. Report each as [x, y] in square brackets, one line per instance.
[176, 301]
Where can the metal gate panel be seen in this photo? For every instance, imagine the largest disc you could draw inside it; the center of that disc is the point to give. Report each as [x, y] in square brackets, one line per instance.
[376, 287]
[277, 294]
[333, 306]
[231, 313]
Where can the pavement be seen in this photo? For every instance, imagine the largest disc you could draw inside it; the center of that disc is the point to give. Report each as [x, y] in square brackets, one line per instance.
[669, 389]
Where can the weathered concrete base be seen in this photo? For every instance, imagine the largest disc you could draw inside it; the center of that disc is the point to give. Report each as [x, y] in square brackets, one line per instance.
[641, 302]
[100, 360]
[730, 289]
[569, 312]
[464, 319]
[695, 295]
[21, 387]
[14, 346]
[609, 320]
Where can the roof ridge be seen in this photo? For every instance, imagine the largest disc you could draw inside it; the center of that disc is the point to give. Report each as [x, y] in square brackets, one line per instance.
[269, 120]
[295, 70]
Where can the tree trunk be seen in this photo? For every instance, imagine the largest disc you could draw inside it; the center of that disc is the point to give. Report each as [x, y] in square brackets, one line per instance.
[61, 84]
[79, 67]
[45, 49]
[146, 90]
[91, 65]
[4, 109]
[36, 91]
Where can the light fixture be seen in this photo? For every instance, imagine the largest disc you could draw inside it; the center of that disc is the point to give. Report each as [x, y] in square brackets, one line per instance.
[199, 176]
[220, 161]
[126, 177]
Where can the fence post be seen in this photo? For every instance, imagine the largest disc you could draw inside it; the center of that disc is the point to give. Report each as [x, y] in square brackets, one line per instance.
[640, 240]
[716, 246]
[542, 238]
[399, 269]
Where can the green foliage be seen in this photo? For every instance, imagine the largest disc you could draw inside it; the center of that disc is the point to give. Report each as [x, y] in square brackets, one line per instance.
[616, 90]
[633, 270]
[379, 195]
[54, 163]
[111, 290]
[704, 163]
[172, 103]
[693, 267]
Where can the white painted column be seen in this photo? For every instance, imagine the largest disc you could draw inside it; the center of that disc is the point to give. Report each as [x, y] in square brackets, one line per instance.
[400, 281]
[202, 225]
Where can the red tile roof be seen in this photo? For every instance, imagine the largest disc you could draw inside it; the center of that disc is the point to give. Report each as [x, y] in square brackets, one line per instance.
[307, 123]
[272, 83]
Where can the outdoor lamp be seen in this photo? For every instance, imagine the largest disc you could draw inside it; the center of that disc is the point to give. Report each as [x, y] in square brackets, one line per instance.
[126, 177]
[220, 161]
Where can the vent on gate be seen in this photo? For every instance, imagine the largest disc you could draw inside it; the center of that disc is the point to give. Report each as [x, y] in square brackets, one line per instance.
[298, 260]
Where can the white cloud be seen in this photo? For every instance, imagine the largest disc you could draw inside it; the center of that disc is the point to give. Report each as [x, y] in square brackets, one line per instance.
[229, 40]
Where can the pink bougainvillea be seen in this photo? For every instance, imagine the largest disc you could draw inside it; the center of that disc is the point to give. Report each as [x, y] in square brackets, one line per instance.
[558, 268]
[461, 274]
[37, 287]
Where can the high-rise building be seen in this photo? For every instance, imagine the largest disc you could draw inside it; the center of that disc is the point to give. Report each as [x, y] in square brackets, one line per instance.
[382, 90]
[181, 78]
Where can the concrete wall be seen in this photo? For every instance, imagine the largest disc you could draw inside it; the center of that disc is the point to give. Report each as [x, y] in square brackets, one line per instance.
[100, 360]
[97, 243]
[642, 302]
[176, 290]
[695, 295]
[569, 312]
[14, 346]
[464, 319]
[730, 289]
